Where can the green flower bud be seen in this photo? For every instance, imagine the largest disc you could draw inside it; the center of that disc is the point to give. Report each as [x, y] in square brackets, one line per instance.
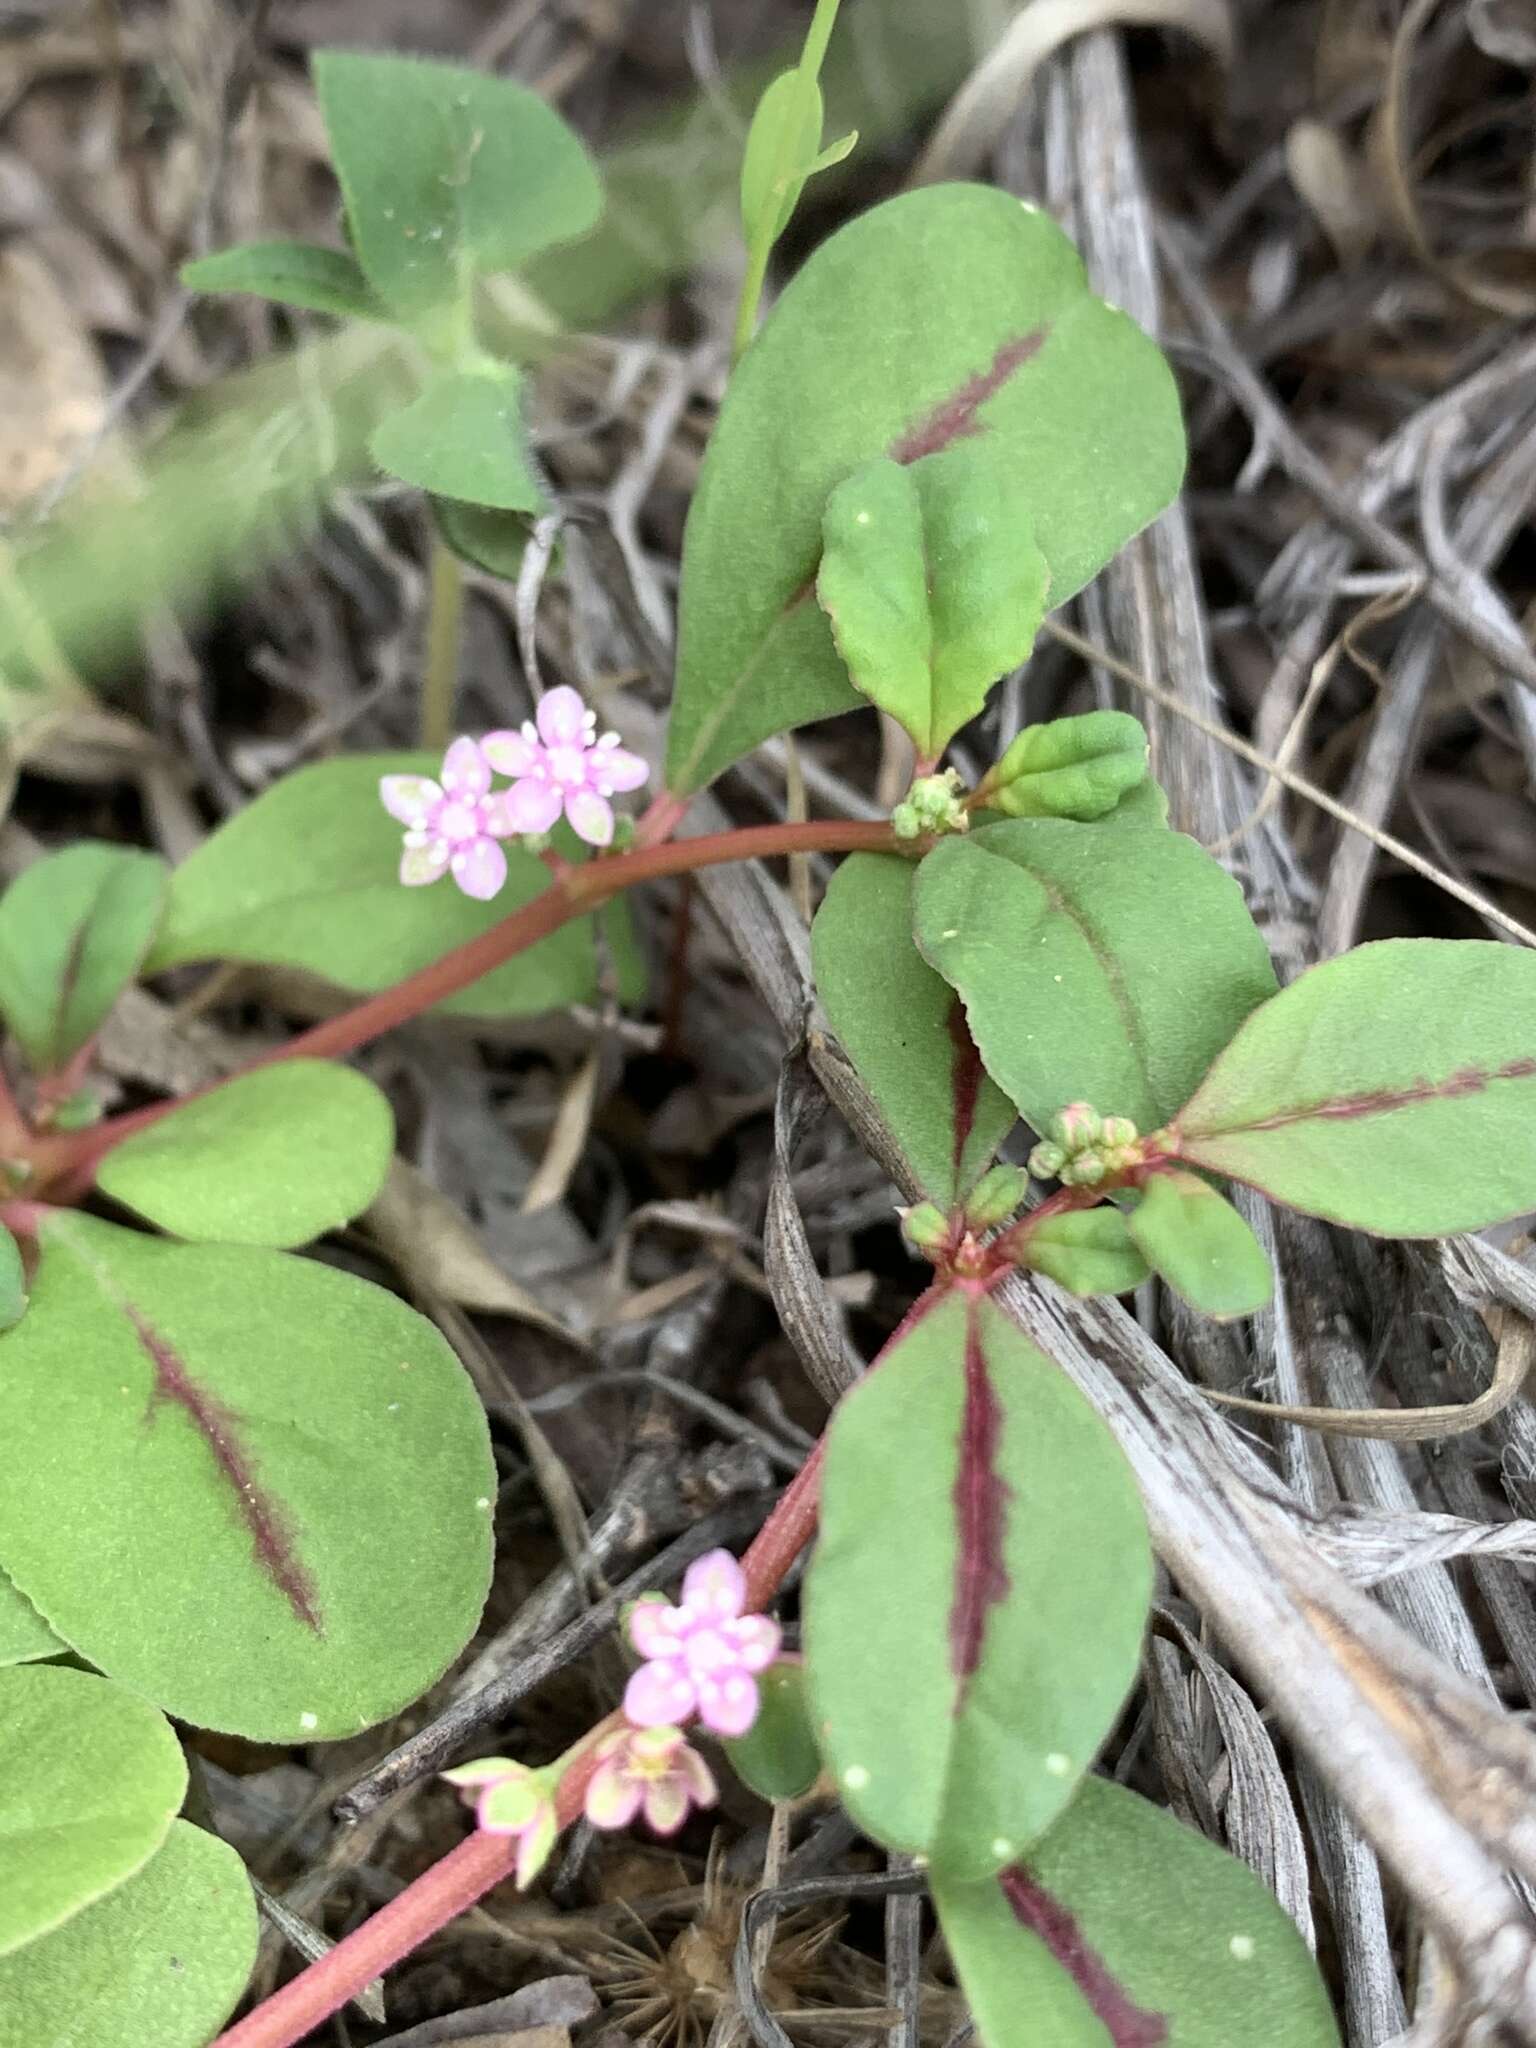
[1084, 1169]
[905, 822]
[1047, 1160]
[924, 1226]
[1119, 1131]
[1079, 1124]
[932, 804]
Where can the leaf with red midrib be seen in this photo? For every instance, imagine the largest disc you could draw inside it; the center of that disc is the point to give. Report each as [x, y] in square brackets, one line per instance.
[950, 326]
[1125, 1929]
[1393, 1089]
[975, 1606]
[250, 1487]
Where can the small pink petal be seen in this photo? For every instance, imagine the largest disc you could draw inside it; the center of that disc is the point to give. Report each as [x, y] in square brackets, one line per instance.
[479, 868]
[715, 1587]
[510, 753]
[655, 1628]
[707, 1652]
[728, 1705]
[666, 1804]
[613, 1798]
[591, 816]
[422, 864]
[408, 797]
[466, 772]
[698, 1777]
[531, 805]
[615, 769]
[562, 718]
[754, 1639]
[659, 1693]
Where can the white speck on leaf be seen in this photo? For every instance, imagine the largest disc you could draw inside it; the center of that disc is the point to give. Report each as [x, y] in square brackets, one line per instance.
[855, 1777]
[1002, 1847]
[861, 519]
[309, 1720]
[1241, 1946]
[1058, 1764]
[483, 1501]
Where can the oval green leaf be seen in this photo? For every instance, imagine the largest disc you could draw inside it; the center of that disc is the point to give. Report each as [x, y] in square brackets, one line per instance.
[92, 1781]
[1195, 1240]
[293, 273]
[447, 171]
[933, 587]
[212, 1448]
[306, 876]
[958, 1717]
[904, 1028]
[159, 1963]
[1087, 1251]
[276, 1157]
[1091, 969]
[952, 322]
[1078, 768]
[73, 931]
[1125, 1929]
[777, 1757]
[24, 1635]
[463, 437]
[1393, 1089]
[780, 154]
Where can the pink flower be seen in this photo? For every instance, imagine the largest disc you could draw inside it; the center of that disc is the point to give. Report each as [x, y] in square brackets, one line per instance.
[452, 826]
[650, 1768]
[559, 763]
[511, 1799]
[702, 1656]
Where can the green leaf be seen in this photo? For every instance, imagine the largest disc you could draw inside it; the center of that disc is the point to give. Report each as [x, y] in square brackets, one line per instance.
[1070, 768]
[158, 1963]
[1126, 1929]
[909, 1044]
[73, 931]
[1087, 1251]
[447, 172]
[24, 1635]
[491, 540]
[1393, 1089]
[778, 1757]
[950, 323]
[933, 587]
[780, 155]
[92, 1781]
[1195, 1240]
[294, 273]
[1091, 970]
[958, 1717]
[306, 876]
[1144, 808]
[251, 1487]
[276, 1157]
[463, 437]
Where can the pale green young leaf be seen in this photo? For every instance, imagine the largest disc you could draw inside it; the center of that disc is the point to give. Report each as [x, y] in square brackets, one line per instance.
[1079, 768]
[491, 540]
[74, 929]
[447, 172]
[158, 1963]
[949, 321]
[293, 273]
[1194, 1239]
[211, 1447]
[904, 1029]
[1087, 1251]
[91, 1783]
[463, 437]
[1093, 966]
[276, 1157]
[778, 1757]
[933, 586]
[957, 1718]
[24, 1635]
[780, 155]
[307, 876]
[1392, 1089]
[1125, 1929]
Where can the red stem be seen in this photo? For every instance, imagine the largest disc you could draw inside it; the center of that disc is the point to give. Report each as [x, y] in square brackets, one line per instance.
[573, 894]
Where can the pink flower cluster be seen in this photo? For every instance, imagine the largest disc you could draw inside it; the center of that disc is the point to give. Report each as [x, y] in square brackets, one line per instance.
[453, 825]
[702, 1657]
